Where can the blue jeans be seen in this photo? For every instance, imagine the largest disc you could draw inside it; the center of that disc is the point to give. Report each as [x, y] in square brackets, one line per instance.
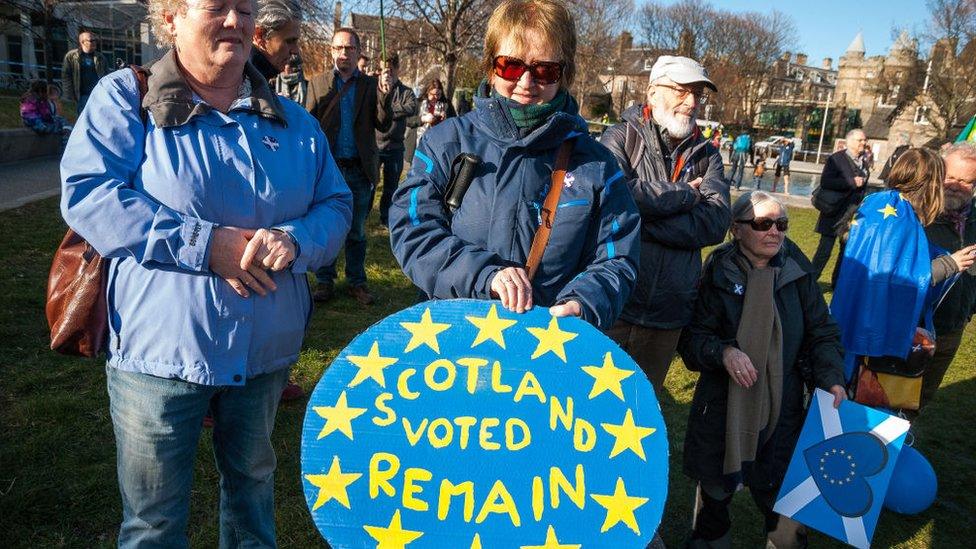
[157, 425]
[738, 162]
[391, 163]
[362, 203]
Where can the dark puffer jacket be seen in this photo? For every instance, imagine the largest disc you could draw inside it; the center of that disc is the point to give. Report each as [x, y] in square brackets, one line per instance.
[593, 250]
[811, 343]
[959, 305]
[677, 221]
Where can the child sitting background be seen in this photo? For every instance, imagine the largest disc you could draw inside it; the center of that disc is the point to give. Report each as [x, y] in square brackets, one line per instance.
[36, 110]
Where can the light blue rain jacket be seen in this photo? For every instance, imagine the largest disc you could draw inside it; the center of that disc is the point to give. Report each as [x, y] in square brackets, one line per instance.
[149, 195]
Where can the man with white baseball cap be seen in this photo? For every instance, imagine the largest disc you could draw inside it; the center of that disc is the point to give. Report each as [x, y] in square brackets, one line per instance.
[677, 180]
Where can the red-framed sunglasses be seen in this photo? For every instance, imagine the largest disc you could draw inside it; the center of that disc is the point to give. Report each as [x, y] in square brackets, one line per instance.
[543, 72]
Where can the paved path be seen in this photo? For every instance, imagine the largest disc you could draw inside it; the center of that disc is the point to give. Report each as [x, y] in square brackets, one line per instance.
[25, 182]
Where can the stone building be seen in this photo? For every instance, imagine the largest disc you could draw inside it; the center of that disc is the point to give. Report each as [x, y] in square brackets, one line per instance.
[860, 90]
[797, 96]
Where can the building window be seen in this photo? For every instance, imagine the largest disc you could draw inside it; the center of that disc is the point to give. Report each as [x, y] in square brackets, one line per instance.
[922, 116]
[648, 65]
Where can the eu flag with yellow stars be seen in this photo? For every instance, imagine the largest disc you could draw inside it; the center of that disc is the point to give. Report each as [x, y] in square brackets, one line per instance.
[460, 424]
[884, 279]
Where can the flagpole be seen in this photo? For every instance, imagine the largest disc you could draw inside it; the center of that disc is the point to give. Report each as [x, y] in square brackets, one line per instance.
[382, 35]
[823, 127]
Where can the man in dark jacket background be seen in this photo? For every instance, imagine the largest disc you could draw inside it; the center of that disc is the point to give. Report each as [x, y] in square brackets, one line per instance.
[953, 230]
[403, 105]
[351, 107]
[677, 180]
[843, 174]
[82, 69]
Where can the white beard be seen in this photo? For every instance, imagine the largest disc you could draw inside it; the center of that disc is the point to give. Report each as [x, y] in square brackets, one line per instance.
[678, 126]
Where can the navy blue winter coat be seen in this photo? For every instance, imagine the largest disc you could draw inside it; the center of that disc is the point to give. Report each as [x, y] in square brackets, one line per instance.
[593, 252]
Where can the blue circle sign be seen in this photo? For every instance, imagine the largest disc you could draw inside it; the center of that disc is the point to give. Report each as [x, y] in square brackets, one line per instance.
[460, 424]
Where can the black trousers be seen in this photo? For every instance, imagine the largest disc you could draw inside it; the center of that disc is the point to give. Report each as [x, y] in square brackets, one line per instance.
[822, 256]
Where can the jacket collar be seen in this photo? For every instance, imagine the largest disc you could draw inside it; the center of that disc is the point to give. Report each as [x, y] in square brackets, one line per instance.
[727, 274]
[494, 117]
[261, 63]
[170, 99]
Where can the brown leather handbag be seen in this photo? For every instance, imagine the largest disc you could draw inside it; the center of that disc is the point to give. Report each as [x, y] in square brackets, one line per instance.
[76, 307]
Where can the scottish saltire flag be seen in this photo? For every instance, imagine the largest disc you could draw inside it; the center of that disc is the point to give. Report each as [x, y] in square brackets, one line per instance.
[839, 473]
[884, 279]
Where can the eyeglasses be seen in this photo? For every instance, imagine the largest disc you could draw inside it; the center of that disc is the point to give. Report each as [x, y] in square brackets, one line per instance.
[347, 49]
[763, 224]
[682, 93]
[543, 72]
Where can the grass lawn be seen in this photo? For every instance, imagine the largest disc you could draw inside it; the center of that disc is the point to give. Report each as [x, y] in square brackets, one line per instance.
[57, 452]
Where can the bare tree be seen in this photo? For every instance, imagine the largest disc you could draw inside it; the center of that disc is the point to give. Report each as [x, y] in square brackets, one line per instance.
[738, 49]
[452, 29]
[941, 89]
[598, 23]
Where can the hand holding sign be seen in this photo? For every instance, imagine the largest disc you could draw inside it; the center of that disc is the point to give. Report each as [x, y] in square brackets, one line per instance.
[459, 424]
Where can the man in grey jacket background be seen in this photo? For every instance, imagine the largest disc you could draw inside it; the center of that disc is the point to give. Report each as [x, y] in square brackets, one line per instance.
[678, 182]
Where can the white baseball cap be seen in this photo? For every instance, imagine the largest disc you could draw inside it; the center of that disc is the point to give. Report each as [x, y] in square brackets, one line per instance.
[682, 70]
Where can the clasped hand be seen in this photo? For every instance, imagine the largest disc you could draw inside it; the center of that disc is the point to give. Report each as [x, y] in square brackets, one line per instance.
[243, 257]
[512, 286]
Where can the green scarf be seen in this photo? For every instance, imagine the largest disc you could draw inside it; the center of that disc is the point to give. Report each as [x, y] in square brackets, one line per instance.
[530, 117]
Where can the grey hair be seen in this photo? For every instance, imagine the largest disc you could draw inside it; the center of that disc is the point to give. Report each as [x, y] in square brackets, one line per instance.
[743, 209]
[272, 15]
[966, 151]
[853, 132]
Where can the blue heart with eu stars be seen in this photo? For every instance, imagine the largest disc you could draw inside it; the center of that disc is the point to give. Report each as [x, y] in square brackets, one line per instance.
[841, 465]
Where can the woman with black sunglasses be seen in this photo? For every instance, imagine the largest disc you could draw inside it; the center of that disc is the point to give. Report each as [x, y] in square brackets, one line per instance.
[524, 115]
[760, 330]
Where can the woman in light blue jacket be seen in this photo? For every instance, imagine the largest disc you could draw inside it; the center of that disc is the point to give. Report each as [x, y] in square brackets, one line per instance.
[212, 198]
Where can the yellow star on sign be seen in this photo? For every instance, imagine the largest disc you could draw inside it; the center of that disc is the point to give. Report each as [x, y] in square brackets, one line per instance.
[476, 542]
[607, 378]
[338, 417]
[371, 366]
[620, 507]
[424, 332]
[552, 542]
[888, 210]
[332, 485]
[551, 339]
[628, 435]
[490, 327]
[392, 536]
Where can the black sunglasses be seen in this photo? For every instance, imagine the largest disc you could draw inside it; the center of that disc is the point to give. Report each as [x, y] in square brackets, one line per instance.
[763, 224]
[543, 72]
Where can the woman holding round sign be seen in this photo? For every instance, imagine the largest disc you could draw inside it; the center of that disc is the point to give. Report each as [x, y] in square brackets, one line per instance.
[761, 328]
[514, 200]
[211, 197]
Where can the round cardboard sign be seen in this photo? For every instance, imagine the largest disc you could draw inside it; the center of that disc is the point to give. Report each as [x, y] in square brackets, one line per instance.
[460, 424]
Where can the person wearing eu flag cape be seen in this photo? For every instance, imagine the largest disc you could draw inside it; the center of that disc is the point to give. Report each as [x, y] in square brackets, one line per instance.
[891, 277]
